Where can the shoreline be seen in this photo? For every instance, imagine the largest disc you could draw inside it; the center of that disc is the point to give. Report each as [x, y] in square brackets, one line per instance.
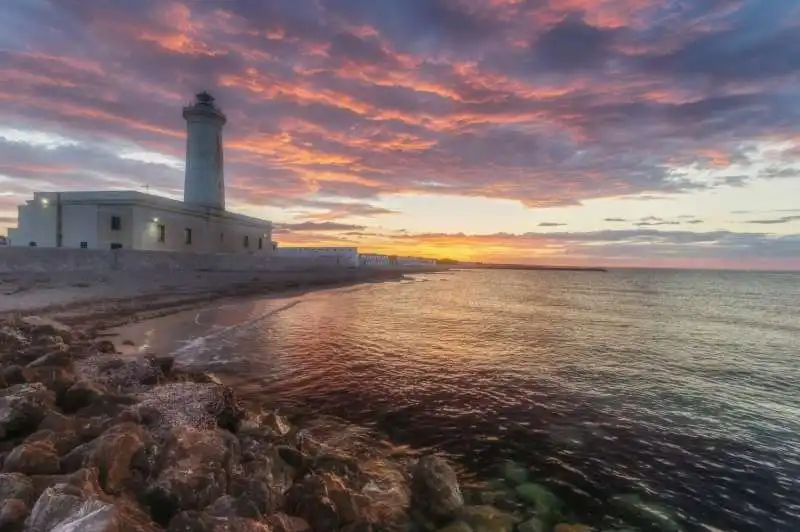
[92, 437]
[110, 302]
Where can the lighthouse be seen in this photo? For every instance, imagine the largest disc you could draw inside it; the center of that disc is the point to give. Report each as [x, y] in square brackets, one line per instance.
[204, 184]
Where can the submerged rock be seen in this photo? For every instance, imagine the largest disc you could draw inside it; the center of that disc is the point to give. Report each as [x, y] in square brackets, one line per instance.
[532, 525]
[309, 499]
[514, 473]
[567, 527]
[487, 519]
[547, 505]
[654, 515]
[434, 489]
[457, 526]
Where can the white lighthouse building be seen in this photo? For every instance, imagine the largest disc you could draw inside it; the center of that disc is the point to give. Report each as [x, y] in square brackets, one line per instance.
[130, 219]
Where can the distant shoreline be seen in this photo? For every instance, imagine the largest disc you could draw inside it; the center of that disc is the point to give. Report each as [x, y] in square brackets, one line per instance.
[524, 267]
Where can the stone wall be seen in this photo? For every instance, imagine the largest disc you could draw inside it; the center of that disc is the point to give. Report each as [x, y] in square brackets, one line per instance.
[46, 260]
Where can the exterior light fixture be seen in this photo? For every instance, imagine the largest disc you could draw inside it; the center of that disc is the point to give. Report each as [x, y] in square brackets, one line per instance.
[45, 201]
[155, 220]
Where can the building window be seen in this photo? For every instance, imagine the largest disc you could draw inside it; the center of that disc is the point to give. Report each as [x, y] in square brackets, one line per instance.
[222, 237]
[246, 241]
[32, 244]
[260, 243]
[187, 236]
[162, 233]
[115, 245]
[84, 245]
[116, 223]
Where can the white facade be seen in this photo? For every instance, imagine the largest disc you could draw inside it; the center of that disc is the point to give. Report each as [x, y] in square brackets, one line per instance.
[344, 256]
[133, 220]
[373, 260]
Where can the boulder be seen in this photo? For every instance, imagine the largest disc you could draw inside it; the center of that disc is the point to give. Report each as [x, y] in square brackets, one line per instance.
[32, 458]
[434, 489]
[80, 395]
[193, 521]
[56, 378]
[309, 499]
[257, 492]
[487, 519]
[16, 499]
[280, 522]
[12, 338]
[22, 408]
[227, 411]
[574, 527]
[84, 481]
[62, 441]
[105, 346]
[12, 374]
[12, 515]
[192, 472]
[113, 452]
[58, 358]
[230, 507]
[16, 486]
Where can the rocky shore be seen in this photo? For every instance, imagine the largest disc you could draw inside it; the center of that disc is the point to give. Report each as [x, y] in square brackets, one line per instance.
[94, 440]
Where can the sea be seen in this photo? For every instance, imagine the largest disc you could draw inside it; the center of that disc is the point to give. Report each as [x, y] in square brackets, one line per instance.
[677, 389]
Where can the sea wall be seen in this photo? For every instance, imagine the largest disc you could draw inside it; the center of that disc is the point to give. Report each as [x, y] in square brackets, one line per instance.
[50, 260]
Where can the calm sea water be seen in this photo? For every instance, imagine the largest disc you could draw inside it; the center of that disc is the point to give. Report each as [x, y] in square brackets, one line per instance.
[682, 387]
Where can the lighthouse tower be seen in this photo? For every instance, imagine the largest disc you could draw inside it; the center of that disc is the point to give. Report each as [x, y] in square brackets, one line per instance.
[205, 181]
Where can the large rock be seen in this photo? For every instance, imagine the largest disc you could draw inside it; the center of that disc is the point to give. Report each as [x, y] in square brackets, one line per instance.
[193, 471]
[194, 521]
[32, 458]
[64, 509]
[230, 507]
[113, 452]
[84, 482]
[62, 441]
[16, 499]
[22, 408]
[309, 499]
[434, 489]
[56, 378]
[39, 326]
[80, 395]
[280, 522]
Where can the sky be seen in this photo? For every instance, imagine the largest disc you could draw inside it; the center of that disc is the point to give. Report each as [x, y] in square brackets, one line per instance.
[577, 132]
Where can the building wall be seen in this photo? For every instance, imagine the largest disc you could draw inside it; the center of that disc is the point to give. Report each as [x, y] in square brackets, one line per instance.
[344, 256]
[80, 224]
[373, 260]
[37, 223]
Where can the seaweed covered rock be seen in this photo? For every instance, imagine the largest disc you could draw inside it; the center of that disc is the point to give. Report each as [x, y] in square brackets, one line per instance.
[546, 504]
[487, 519]
[22, 408]
[434, 489]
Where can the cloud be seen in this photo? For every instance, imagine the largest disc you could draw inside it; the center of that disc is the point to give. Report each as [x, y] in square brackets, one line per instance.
[781, 220]
[321, 226]
[541, 102]
[551, 224]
